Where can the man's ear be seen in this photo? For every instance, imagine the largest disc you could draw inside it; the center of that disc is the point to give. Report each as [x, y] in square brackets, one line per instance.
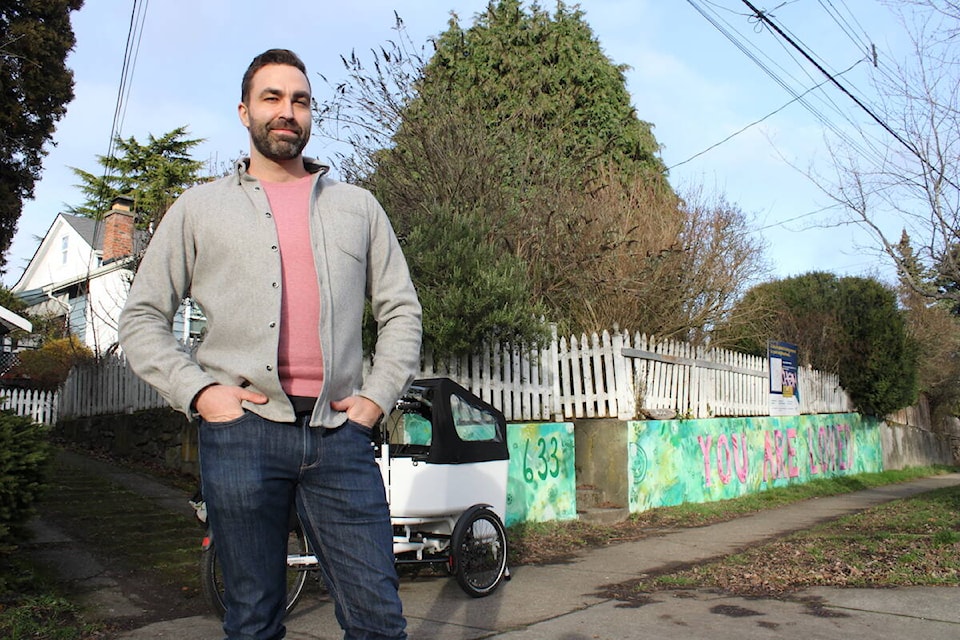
[244, 115]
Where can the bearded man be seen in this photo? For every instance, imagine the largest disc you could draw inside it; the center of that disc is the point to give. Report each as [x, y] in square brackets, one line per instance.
[281, 259]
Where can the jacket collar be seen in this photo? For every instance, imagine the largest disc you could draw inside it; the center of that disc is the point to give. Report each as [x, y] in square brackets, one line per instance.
[310, 164]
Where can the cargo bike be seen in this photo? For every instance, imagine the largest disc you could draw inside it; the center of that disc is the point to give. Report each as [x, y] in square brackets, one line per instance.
[443, 455]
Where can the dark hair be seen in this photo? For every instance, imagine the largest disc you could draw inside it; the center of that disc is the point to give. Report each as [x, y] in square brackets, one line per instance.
[270, 56]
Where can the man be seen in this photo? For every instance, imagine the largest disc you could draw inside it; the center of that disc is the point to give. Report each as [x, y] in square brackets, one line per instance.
[280, 258]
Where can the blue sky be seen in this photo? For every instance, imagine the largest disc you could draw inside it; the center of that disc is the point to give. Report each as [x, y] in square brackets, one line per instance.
[687, 79]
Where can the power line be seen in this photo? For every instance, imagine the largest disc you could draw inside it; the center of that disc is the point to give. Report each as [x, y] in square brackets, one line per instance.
[828, 100]
[830, 103]
[865, 46]
[868, 144]
[138, 16]
[767, 21]
[753, 124]
[132, 53]
[741, 43]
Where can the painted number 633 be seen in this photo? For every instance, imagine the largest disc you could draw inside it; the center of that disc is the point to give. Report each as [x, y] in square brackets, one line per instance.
[547, 461]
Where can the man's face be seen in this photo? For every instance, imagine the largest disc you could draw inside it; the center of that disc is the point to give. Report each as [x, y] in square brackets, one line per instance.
[277, 112]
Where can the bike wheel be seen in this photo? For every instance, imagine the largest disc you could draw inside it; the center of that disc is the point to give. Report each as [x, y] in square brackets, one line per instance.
[211, 579]
[479, 551]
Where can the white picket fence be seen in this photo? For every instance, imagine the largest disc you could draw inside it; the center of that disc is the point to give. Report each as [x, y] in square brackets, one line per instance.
[701, 383]
[40, 406]
[607, 375]
[106, 387]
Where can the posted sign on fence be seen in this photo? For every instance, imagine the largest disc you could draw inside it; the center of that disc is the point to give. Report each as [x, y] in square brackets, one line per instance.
[784, 380]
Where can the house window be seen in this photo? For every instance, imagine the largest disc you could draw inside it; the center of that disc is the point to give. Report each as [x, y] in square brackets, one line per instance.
[64, 245]
[198, 323]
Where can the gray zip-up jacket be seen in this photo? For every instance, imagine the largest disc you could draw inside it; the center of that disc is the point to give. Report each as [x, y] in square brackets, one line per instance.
[218, 244]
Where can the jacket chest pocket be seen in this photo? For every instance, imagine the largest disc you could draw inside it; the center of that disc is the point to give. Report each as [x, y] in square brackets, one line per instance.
[347, 241]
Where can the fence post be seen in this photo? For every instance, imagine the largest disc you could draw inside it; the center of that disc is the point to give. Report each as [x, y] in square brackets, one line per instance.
[623, 383]
[553, 374]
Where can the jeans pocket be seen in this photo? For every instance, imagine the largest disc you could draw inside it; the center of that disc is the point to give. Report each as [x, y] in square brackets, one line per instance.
[362, 429]
[226, 423]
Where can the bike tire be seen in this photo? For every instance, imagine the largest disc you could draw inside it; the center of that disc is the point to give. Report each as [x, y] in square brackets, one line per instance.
[211, 579]
[479, 551]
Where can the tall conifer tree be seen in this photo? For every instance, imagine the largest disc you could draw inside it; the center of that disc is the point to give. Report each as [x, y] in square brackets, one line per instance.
[152, 174]
[35, 87]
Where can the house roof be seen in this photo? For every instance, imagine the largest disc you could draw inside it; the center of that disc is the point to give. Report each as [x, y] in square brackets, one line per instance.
[91, 234]
[86, 228]
[39, 294]
[10, 321]
[89, 229]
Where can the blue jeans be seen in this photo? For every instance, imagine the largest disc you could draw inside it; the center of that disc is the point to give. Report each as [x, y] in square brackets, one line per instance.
[253, 471]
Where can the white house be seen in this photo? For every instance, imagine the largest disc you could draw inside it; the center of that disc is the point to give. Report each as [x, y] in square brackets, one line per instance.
[81, 272]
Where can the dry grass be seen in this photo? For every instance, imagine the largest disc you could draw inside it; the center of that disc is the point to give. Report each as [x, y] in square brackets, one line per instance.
[908, 542]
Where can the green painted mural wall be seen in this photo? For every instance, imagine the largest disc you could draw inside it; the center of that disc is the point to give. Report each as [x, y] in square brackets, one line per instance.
[541, 482]
[677, 461]
[669, 462]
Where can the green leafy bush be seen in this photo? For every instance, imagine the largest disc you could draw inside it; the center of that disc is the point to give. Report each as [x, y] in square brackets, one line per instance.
[850, 326]
[24, 454]
[878, 365]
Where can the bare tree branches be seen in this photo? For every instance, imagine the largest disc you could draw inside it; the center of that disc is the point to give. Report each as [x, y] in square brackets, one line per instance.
[913, 187]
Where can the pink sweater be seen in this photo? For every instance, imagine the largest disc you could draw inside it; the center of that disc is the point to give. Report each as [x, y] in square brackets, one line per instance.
[300, 357]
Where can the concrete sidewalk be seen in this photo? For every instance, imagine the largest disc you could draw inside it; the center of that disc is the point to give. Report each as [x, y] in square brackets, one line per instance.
[565, 601]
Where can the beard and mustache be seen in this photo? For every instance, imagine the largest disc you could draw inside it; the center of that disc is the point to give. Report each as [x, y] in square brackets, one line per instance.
[279, 148]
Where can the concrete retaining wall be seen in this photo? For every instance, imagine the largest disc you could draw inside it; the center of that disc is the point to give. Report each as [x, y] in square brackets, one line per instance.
[678, 461]
[541, 481]
[604, 460]
[158, 436]
[549, 460]
[601, 458]
[906, 446]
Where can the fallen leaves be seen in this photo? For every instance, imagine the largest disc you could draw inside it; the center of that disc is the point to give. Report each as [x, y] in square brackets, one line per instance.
[904, 543]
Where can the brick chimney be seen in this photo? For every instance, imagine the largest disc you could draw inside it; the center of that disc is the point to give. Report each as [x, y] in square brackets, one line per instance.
[118, 230]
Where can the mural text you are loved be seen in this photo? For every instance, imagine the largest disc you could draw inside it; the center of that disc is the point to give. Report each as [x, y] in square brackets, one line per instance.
[782, 454]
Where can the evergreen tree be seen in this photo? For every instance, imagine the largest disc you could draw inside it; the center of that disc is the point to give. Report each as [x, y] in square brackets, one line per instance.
[533, 76]
[35, 87]
[934, 327]
[153, 174]
[538, 114]
[467, 288]
[522, 127]
[946, 278]
[878, 362]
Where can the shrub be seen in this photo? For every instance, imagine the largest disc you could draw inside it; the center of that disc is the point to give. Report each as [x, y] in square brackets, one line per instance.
[878, 365]
[850, 326]
[48, 366]
[24, 454]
